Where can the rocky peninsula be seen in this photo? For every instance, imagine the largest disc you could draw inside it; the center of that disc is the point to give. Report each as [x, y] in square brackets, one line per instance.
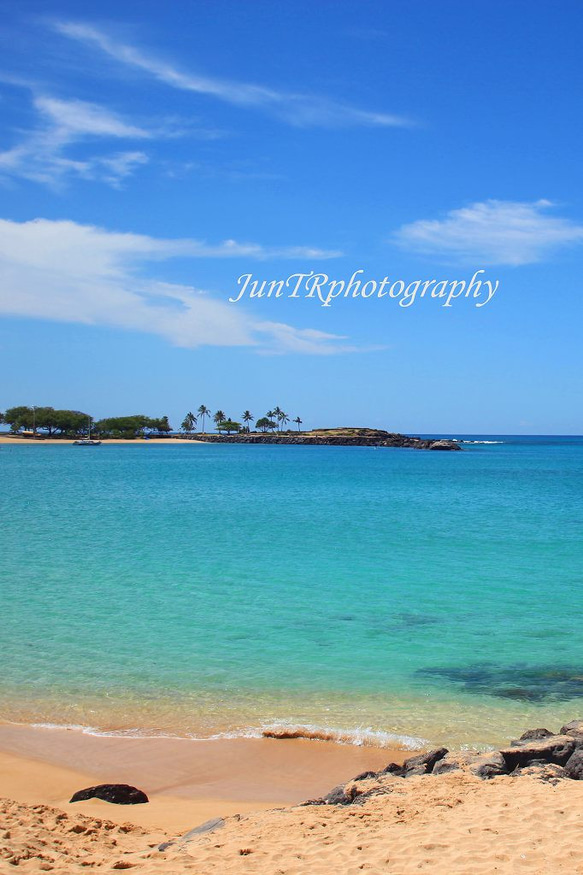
[333, 437]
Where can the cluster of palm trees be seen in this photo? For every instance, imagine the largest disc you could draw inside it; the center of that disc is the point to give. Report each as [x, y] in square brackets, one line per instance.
[274, 420]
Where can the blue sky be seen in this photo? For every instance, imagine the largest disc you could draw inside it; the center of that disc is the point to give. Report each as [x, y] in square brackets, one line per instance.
[152, 153]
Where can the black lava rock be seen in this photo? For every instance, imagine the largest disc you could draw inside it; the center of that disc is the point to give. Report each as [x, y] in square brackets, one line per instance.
[393, 769]
[556, 749]
[423, 763]
[533, 735]
[574, 766]
[119, 794]
[364, 775]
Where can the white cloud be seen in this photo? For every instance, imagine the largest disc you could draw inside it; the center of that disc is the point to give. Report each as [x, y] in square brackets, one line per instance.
[492, 232]
[41, 155]
[63, 271]
[77, 118]
[303, 110]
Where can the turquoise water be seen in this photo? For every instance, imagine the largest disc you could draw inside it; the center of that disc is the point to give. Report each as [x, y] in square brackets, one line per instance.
[204, 589]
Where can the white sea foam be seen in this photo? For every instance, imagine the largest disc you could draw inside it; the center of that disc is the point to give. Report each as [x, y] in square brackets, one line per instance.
[360, 736]
[461, 441]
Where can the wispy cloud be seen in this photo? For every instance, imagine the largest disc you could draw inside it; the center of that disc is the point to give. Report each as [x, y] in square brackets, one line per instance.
[42, 156]
[63, 271]
[76, 118]
[303, 110]
[492, 232]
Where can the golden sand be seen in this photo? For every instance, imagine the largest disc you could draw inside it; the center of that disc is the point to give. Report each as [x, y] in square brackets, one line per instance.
[449, 824]
[187, 781]
[15, 442]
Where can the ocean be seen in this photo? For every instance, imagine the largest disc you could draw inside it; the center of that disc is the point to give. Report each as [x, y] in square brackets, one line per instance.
[376, 595]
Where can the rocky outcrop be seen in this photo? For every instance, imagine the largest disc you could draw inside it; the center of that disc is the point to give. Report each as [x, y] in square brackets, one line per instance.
[538, 753]
[424, 763]
[119, 794]
[575, 727]
[555, 749]
[489, 766]
[340, 437]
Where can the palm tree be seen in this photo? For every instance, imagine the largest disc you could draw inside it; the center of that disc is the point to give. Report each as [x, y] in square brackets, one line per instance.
[188, 423]
[277, 411]
[204, 412]
[247, 417]
[219, 418]
[283, 418]
[298, 421]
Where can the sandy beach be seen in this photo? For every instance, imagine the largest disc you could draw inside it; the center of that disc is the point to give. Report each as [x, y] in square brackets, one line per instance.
[17, 441]
[444, 824]
[187, 781]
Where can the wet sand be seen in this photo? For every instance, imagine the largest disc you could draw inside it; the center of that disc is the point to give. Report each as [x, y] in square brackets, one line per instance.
[187, 781]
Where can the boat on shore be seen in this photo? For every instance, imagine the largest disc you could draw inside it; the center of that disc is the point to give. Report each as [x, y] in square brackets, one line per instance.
[88, 441]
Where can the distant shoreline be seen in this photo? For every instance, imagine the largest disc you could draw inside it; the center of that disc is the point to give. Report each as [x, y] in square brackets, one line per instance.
[345, 437]
[15, 440]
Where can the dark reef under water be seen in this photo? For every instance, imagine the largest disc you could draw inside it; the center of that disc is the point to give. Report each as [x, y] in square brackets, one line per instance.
[520, 682]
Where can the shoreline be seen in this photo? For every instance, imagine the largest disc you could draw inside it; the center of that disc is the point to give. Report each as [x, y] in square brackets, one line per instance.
[332, 437]
[17, 441]
[188, 781]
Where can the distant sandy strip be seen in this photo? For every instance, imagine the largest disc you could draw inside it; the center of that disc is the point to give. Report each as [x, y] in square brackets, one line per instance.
[4, 439]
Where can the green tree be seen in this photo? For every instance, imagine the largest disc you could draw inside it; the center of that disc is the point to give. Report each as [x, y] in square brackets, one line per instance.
[298, 422]
[203, 412]
[219, 418]
[247, 418]
[283, 418]
[159, 426]
[64, 422]
[263, 424]
[47, 419]
[229, 426]
[127, 427]
[19, 418]
[188, 423]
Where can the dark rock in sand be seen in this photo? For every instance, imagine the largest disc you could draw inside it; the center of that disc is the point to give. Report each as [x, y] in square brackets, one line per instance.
[548, 772]
[574, 766]
[424, 763]
[450, 763]
[556, 749]
[483, 765]
[207, 826]
[119, 794]
[490, 765]
[337, 796]
[393, 769]
[364, 775]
